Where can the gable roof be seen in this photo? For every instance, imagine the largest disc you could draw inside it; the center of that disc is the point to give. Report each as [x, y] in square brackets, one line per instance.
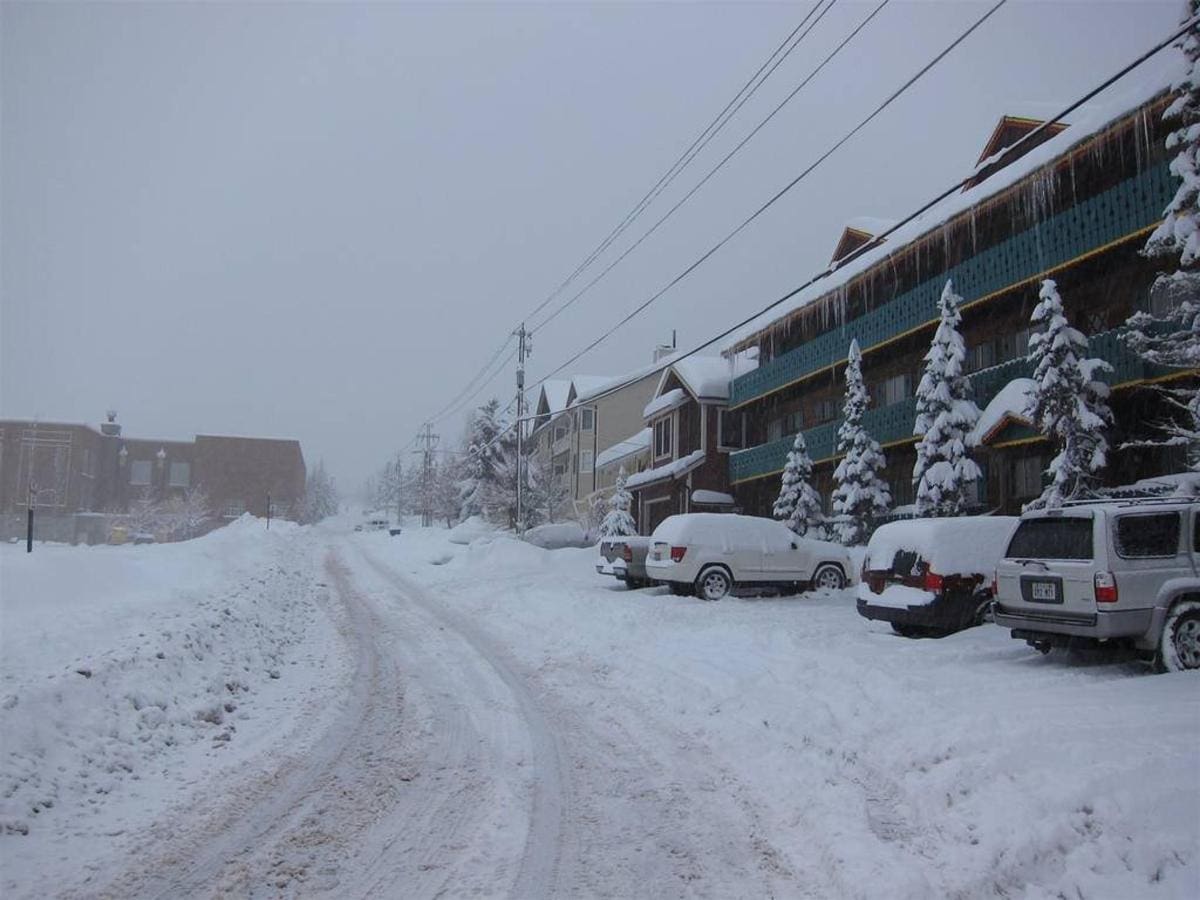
[553, 396]
[706, 377]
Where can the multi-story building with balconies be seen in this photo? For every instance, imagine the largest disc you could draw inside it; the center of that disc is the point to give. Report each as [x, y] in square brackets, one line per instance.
[1075, 204]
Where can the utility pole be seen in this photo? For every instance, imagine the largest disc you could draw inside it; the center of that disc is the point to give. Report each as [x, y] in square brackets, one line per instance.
[429, 442]
[29, 501]
[524, 349]
[268, 510]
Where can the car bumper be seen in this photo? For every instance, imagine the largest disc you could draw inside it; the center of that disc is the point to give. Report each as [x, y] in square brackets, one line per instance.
[942, 613]
[1100, 625]
[670, 571]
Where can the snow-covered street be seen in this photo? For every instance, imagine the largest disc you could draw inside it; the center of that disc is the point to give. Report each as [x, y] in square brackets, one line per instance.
[312, 711]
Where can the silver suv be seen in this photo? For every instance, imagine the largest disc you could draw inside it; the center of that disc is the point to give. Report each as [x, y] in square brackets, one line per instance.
[1125, 573]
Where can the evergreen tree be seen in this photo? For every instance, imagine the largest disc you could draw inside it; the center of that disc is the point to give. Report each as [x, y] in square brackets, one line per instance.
[1067, 404]
[618, 522]
[943, 472]
[860, 495]
[320, 495]
[798, 505]
[1173, 339]
[445, 497]
[483, 458]
[545, 492]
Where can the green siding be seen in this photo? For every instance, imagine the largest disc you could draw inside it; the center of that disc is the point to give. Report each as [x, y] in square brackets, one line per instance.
[1130, 206]
[890, 424]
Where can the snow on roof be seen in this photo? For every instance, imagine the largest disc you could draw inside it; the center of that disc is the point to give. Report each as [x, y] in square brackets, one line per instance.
[670, 400]
[1010, 401]
[711, 498]
[635, 443]
[1138, 88]
[966, 545]
[599, 385]
[871, 225]
[708, 377]
[586, 385]
[674, 469]
[556, 392]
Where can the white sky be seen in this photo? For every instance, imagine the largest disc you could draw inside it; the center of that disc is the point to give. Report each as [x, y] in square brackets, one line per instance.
[318, 221]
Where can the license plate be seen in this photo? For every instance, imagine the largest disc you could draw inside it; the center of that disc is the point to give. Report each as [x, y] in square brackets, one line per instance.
[1042, 590]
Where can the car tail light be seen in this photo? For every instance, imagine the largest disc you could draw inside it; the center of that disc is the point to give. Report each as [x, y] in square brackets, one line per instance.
[933, 581]
[677, 553]
[627, 553]
[1106, 587]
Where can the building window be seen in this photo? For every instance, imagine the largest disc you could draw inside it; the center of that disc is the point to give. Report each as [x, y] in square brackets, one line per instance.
[894, 390]
[731, 426]
[981, 356]
[560, 431]
[827, 410]
[1027, 477]
[1013, 346]
[662, 438]
[140, 471]
[561, 463]
[180, 474]
[785, 426]
[585, 460]
[587, 419]
[234, 508]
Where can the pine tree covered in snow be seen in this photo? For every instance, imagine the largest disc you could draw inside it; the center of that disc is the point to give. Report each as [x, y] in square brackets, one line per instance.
[1173, 338]
[444, 489]
[860, 495]
[943, 472]
[483, 458]
[1179, 232]
[618, 522]
[1067, 404]
[546, 492]
[320, 494]
[798, 505]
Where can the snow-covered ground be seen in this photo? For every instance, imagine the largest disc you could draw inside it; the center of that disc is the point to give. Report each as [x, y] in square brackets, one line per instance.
[492, 718]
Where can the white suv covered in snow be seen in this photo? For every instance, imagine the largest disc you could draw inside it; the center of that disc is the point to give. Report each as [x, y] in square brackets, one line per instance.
[710, 553]
[1115, 572]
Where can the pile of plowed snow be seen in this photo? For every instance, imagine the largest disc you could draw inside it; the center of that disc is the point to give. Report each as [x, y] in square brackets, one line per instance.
[115, 660]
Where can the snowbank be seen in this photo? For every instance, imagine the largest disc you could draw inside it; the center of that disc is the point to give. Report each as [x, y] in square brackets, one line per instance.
[557, 535]
[471, 529]
[117, 660]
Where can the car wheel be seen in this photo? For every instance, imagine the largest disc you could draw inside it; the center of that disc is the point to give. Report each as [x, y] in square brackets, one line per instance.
[828, 577]
[1179, 645]
[983, 613]
[713, 584]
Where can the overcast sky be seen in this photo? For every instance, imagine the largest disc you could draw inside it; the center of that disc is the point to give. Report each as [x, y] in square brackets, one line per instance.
[319, 221]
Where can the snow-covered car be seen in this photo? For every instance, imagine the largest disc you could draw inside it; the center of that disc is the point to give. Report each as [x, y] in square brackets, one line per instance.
[711, 554]
[625, 558]
[1117, 573]
[932, 577]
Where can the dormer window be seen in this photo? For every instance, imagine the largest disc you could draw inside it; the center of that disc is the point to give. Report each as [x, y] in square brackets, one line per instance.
[663, 434]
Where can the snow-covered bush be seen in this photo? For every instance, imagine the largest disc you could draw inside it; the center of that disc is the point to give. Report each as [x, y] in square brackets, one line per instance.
[860, 495]
[618, 522]
[798, 505]
[946, 416]
[1068, 405]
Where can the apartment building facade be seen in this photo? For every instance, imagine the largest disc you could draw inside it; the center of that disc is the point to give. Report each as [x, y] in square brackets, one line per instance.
[1075, 205]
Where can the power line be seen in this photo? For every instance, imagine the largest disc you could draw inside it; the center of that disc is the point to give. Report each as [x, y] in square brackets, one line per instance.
[467, 398]
[713, 171]
[710, 131]
[949, 191]
[785, 189]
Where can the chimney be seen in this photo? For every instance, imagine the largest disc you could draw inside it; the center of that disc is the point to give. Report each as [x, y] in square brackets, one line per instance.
[662, 350]
[111, 428]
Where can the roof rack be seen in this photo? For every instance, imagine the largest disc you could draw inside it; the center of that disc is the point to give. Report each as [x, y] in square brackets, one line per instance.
[1132, 501]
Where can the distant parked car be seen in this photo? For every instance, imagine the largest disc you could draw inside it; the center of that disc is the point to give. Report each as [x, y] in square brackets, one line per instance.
[625, 558]
[932, 577]
[1115, 573]
[377, 523]
[711, 554]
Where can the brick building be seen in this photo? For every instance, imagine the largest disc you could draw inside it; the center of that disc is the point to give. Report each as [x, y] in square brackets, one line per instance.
[78, 477]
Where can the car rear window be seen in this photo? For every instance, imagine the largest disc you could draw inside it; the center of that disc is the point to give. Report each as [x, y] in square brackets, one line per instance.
[1052, 538]
[1140, 537]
